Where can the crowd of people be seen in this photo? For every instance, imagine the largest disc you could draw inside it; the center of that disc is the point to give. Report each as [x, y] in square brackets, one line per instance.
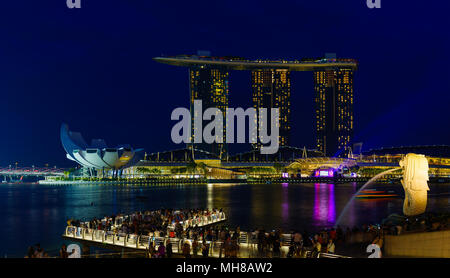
[36, 251]
[181, 227]
[196, 240]
[325, 240]
[159, 223]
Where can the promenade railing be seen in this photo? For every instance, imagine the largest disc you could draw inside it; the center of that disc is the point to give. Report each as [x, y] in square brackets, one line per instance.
[247, 243]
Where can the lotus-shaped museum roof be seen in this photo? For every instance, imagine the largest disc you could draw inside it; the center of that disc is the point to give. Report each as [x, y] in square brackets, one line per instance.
[97, 155]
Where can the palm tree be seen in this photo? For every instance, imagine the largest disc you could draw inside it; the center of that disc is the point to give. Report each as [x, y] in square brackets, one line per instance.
[278, 167]
[148, 171]
[191, 167]
[155, 171]
[202, 167]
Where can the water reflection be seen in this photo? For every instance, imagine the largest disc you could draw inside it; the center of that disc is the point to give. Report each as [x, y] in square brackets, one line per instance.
[37, 213]
[210, 187]
[324, 205]
[285, 202]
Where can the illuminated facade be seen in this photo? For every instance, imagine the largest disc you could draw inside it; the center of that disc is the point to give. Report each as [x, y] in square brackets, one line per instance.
[334, 110]
[210, 85]
[272, 89]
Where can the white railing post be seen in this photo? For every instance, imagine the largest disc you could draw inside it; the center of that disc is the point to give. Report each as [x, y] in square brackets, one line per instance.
[125, 240]
[137, 241]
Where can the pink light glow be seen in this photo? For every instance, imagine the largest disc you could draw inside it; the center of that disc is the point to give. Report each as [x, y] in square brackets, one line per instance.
[324, 213]
[324, 173]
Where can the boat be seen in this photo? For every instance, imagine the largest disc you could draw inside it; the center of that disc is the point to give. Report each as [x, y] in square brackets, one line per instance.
[373, 193]
[13, 180]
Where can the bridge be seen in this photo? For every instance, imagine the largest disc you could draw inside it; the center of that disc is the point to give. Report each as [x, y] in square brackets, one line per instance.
[31, 171]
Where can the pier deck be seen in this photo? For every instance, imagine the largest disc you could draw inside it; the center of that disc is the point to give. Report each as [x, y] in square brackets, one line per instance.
[130, 243]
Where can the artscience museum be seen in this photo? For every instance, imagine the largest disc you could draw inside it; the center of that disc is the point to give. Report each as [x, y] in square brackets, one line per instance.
[97, 158]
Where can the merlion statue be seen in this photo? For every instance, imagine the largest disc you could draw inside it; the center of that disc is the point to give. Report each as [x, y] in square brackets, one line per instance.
[415, 177]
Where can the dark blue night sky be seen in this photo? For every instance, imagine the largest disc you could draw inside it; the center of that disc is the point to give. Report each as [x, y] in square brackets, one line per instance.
[92, 68]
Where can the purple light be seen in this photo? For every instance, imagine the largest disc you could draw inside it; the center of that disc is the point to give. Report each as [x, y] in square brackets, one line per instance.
[285, 203]
[285, 175]
[324, 173]
[324, 211]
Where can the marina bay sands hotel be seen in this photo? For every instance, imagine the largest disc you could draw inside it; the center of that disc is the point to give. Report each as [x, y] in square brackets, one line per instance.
[271, 84]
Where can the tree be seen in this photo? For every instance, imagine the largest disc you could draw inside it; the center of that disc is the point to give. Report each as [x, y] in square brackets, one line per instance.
[202, 167]
[278, 167]
[191, 167]
[155, 171]
[142, 170]
[148, 171]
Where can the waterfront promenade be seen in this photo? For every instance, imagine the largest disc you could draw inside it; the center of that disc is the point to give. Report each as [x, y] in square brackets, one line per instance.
[134, 245]
[189, 234]
[181, 181]
[116, 238]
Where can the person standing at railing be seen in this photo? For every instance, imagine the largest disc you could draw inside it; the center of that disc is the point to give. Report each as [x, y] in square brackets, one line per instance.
[227, 247]
[205, 249]
[276, 248]
[39, 252]
[178, 229]
[161, 250]
[261, 242]
[297, 238]
[317, 248]
[209, 235]
[63, 252]
[151, 250]
[169, 251]
[222, 235]
[234, 249]
[186, 250]
[30, 253]
[330, 247]
[195, 247]
[238, 233]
